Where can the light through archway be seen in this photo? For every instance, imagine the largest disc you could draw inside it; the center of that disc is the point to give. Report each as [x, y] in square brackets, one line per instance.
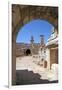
[34, 28]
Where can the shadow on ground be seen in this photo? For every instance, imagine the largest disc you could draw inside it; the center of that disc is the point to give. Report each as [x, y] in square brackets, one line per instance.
[25, 77]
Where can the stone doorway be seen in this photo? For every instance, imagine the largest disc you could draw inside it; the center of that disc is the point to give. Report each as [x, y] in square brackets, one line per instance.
[28, 52]
[53, 56]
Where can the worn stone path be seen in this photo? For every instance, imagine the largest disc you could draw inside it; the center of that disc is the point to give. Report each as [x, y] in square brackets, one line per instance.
[28, 72]
[26, 63]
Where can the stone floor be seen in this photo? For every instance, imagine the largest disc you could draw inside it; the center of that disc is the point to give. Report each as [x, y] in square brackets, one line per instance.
[27, 63]
[27, 72]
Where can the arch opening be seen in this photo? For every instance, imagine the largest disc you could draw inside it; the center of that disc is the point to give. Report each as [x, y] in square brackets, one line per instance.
[34, 27]
[20, 27]
[28, 52]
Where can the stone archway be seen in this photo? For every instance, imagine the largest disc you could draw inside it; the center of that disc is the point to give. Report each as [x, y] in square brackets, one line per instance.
[22, 14]
[28, 52]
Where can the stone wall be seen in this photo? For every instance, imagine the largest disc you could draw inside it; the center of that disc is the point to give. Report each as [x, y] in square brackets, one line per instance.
[21, 49]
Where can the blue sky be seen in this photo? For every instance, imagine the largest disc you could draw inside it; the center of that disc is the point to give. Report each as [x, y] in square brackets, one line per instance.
[34, 28]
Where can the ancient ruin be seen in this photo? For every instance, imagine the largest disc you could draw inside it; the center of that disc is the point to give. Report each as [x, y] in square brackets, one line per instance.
[29, 48]
[22, 14]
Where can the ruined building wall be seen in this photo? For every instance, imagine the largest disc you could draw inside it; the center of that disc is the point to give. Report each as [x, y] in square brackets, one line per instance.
[33, 47]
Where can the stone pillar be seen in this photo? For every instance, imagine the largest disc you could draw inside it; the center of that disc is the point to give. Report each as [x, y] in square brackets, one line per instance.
[32, 44]
[48, 58]
[13, 60]
[42, 40]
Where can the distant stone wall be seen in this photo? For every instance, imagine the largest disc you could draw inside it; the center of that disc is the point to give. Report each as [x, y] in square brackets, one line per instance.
[21, 49]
